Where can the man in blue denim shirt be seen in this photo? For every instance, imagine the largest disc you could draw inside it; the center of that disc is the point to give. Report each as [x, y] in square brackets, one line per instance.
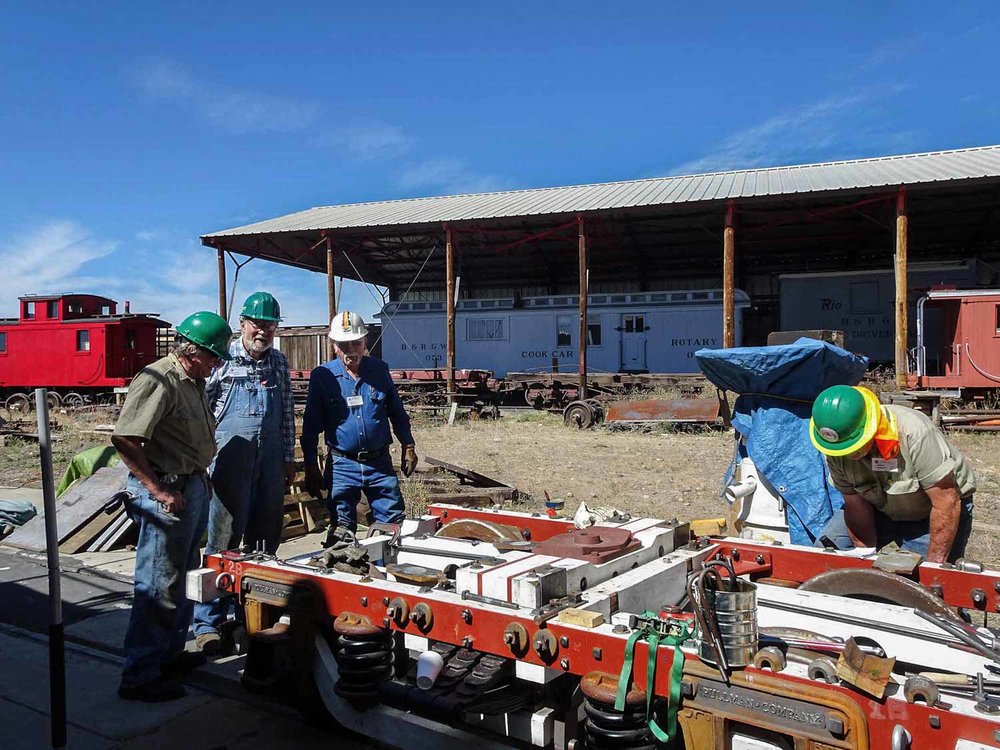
[353, 401]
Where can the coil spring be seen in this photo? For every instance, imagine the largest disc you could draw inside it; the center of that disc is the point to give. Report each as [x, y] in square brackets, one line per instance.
[364, 662]
[604, 728]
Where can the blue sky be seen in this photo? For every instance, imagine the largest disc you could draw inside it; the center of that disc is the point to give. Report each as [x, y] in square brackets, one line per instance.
[129, 129]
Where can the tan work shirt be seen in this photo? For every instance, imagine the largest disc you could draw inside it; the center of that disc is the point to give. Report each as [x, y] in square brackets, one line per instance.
[167, 408]
[899, 489]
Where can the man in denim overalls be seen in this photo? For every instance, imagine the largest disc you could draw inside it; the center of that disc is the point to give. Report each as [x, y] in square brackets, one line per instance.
[165, 436]
[353, 400]
[251, 397]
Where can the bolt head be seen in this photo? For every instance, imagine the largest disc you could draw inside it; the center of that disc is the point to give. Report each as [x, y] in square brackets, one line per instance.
[364, 601]
[564, 663]
[759, 559]
[564, 641]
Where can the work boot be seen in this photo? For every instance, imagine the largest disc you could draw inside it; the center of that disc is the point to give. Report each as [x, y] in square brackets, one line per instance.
[155, 691]
[209, 643]
[183, 664]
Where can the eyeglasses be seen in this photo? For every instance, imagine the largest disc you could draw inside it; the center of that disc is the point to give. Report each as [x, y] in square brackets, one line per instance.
[263, 325]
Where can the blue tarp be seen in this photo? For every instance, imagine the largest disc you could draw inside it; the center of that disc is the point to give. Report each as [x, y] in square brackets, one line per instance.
[777, 385]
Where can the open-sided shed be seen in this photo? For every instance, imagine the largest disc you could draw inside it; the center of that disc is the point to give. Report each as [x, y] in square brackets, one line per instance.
[738, 229]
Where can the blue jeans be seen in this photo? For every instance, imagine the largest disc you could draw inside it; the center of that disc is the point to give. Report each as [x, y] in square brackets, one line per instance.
[168, 548]
[909, 535]
[249, 480]
[376, 478]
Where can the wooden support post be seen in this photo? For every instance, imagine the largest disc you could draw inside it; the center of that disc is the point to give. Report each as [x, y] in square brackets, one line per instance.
[902, 371]
[728, 279]
[221, 254]
[584, 286]
[331, 292]
[450, 307]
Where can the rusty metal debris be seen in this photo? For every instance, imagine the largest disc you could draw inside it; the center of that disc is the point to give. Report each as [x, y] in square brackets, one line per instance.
[870, 674]
[878, 586]
[678, 411]
[483, 531]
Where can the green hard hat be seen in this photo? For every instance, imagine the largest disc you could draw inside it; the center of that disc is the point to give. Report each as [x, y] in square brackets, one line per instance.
[209, 331]
[841, 420]
[261, 306]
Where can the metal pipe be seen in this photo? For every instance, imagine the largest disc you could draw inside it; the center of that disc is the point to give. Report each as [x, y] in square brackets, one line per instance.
[57, 643]
[961, 634]
[470, 596]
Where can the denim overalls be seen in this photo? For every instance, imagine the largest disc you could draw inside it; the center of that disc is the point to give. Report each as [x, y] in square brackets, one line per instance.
[248, 473]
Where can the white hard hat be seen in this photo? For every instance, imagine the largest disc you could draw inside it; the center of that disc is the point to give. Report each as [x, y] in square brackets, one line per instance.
[347, 326]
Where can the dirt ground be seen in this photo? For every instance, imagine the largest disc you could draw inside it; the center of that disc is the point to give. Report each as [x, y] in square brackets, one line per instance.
[662, 474]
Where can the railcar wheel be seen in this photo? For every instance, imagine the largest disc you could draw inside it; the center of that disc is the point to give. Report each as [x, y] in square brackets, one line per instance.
[54, 399]
[73, 399]
[579, 414]
[19, 403]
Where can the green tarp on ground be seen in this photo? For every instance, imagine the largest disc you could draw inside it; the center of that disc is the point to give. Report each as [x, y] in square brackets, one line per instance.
[86, 463]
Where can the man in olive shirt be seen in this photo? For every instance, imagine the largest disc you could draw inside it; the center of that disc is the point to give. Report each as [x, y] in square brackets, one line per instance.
[166, 437]
[902, 480]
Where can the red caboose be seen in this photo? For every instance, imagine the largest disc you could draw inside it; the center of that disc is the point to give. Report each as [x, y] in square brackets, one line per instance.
[76, 345]
[958, 340]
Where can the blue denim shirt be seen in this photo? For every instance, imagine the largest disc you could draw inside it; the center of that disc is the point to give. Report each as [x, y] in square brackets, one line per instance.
[350, 429]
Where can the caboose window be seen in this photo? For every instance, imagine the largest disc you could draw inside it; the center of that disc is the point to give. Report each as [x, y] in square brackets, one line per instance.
[3, 342]
[998, 318]
[52, 309]
[130, 339]
[83, 341]
[29, 310]
[564, 330]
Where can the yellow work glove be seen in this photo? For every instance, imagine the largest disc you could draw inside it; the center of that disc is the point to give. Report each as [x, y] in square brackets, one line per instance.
[409, 460]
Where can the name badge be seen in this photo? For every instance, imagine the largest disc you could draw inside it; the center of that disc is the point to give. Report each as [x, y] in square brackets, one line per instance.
[355, 400]
[238, 371]
[883, 464]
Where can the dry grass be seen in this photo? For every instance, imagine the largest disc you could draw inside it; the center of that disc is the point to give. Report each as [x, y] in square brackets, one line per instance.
[660, 473]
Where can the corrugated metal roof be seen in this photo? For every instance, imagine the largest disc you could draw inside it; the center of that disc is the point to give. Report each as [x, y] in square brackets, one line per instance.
[909, 169]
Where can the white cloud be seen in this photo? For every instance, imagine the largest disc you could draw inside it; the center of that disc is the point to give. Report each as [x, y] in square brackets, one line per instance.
[368, 140]
[226, 108]
[448, 176]
[48, 258]
[809, 131]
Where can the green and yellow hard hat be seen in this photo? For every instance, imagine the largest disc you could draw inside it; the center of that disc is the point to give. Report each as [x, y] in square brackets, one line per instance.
[844, 419]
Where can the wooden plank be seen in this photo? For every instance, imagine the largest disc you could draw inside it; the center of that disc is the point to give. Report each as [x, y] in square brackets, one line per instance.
[580, 617]
[119, 519]
[75, 508]
[477, 479]
[82, 538]
[123, 532]
[901, 289]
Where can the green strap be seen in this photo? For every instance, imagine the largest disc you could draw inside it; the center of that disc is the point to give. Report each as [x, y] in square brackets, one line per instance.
[653, 640]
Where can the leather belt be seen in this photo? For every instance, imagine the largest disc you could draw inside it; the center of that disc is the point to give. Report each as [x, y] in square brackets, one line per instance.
[361, 456]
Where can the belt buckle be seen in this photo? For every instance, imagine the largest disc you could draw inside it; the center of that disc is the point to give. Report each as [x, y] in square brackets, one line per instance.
[363, 455]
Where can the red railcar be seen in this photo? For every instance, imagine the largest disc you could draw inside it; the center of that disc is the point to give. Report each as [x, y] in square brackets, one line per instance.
[76, 345]
[958, 340]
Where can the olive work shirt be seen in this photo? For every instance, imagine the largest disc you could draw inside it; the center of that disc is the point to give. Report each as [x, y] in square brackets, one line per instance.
[167, 408]
[899, 488]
